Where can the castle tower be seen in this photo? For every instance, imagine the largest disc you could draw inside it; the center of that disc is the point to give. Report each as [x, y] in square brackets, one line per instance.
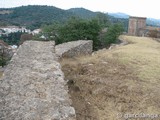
[136, 23]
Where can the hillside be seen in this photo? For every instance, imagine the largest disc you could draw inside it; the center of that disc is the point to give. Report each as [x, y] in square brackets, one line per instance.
[150, 21]
[113, 84]
[87, 14]
[119, 15]
[153, 22]
[83, 13]
[34, 16]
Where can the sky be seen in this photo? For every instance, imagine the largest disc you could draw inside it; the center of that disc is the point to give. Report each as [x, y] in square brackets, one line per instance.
[140, 8]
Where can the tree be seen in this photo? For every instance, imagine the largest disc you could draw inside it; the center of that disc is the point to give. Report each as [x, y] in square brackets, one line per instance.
[12, 38]
[79, 29]
[51, 31]
[113, 33]
[103, 20]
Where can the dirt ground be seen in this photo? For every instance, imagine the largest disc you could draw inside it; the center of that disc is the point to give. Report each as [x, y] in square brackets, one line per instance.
[104, 88]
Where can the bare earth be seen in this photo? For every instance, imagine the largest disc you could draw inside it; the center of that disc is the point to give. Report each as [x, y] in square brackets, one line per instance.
[116, 84]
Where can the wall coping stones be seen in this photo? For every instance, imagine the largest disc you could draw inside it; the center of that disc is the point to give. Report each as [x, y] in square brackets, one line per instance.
[74, 48]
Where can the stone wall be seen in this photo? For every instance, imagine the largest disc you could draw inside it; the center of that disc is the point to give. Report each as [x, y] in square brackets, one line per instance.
[33, 86]
[74, 48]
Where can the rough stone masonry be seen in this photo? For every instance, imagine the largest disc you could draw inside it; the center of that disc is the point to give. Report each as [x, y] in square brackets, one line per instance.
[74, 48]
[33, 86]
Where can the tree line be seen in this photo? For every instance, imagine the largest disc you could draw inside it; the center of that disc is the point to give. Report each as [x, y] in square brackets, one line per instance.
[34, 16]
[98, 29]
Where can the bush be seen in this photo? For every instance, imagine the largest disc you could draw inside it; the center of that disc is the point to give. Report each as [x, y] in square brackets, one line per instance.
[153, 33]
[113, 33]
[74, 29]
[79, 29]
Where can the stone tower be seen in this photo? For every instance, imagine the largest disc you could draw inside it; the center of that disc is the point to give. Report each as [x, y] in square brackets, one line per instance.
[135, 24]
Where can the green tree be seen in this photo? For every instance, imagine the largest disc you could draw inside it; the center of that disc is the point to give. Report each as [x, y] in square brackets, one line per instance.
[12, 38]
[51, 31]
[113, 33]
[103, 20]
[79, 29]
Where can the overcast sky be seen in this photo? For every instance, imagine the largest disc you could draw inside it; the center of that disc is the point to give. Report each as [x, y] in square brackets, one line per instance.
[143, 8]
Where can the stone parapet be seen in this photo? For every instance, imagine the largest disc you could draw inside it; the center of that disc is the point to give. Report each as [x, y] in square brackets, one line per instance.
[74, 48]
[33, 85]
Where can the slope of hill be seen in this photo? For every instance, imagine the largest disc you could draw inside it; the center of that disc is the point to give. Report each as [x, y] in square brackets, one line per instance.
[153, 22]
[150, 21]
[34, 15]
[83, 13]
[87, 14]
[2, 12]
[119, 15]
[113, 84]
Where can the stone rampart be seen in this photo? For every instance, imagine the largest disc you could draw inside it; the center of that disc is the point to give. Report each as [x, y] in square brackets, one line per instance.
[33, 85]
[74, 48]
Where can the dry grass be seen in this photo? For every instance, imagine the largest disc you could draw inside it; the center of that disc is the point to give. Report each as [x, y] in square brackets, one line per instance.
[143, 55]
[122, 80]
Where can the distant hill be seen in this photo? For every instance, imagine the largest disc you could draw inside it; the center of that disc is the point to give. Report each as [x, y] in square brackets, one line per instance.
[83, 13]
[33, 15]
[2, 12]
[153, 22]
[119, 15]
[150, 21]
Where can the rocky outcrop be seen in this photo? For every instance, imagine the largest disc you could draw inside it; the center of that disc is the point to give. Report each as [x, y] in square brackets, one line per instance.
[74, 48]
[33, 86]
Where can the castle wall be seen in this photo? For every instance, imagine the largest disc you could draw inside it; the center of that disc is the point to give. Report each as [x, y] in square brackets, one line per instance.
[135, 23]
[33, 85]
[74, 48]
